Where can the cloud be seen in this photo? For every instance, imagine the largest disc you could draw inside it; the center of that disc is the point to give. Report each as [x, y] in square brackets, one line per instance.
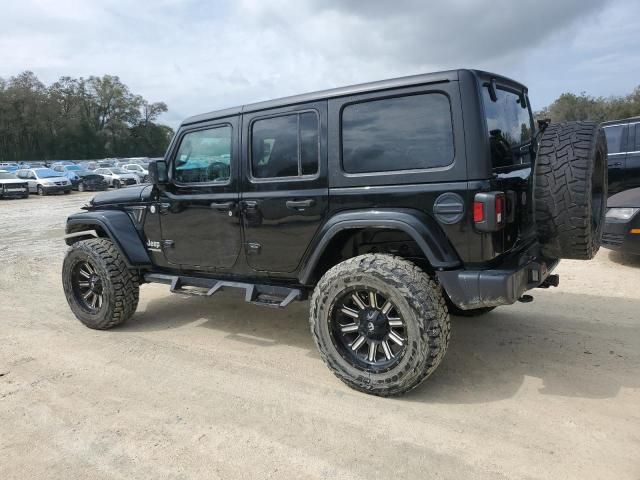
[199, 56]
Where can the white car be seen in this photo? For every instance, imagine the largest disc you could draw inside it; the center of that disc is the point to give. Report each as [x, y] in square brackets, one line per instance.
[117, 177]
[44, 180]
[11, 186]
[136, 169]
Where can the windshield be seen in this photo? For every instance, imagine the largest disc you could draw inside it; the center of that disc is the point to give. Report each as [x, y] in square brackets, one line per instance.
[509, 127]
[7, 176]
[45, 173]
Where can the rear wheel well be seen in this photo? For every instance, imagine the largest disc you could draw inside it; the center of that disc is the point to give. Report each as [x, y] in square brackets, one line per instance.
[81, 227]
[359, 241]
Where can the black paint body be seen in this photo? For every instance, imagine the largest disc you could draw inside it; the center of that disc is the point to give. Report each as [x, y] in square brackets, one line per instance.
[255, 230]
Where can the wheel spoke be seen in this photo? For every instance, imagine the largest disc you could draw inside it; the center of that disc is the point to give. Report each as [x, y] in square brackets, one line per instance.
[386, 308]
[84, 284]
[99, 304]
[395, 323]
[387, 350]
[358, 343]
[352, 327]
[395, 338]
[90, 268]
[373, 348]
[86, 295]
[349, 312]
[84, 273]
[94, 300]
[373, 303]
[358, 301]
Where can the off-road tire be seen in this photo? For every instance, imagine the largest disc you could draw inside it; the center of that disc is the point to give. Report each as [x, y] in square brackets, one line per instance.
[570, 189]
[423, 308]
[120, 285]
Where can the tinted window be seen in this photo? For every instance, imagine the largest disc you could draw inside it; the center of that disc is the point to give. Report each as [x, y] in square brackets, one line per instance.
[204, 156]
[615, 138]
[508, 126]
[285, 146]
[404, 133]
[637, 145]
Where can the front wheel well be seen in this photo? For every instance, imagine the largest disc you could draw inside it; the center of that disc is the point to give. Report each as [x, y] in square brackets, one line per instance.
[359, 241]
[87, 230]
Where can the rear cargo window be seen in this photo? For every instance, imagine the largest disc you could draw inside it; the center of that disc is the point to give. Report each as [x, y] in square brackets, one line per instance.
[509, 127]
[402, 133]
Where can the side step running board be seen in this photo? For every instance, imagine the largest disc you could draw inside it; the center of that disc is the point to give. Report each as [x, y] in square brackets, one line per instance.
[265, 295]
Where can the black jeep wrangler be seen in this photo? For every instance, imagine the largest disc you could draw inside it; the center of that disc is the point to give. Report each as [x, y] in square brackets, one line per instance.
[393, 204]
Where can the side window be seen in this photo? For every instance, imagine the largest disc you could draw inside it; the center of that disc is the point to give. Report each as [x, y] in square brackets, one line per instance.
[285, 146]
[402, 133]
[637, 144]
[204, 156]
[616, 137]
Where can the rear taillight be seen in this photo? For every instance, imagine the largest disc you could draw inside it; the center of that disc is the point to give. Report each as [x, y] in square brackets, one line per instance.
[489, 211]
[500, 204]
[478, 212]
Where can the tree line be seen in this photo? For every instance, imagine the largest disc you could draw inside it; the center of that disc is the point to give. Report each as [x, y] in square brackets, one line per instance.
[569, 107]
[77, 118]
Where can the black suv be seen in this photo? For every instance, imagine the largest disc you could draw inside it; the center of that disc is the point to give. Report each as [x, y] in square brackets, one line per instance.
[393, 204]
[623, 143]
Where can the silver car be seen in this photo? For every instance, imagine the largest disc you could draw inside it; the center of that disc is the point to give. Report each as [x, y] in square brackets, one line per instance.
[117, 177]
[44, 180]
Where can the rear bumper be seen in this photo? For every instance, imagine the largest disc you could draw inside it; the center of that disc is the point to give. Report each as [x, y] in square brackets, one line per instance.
[503, 285]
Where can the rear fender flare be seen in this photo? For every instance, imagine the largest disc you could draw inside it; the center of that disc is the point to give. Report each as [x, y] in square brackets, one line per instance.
[422, 228]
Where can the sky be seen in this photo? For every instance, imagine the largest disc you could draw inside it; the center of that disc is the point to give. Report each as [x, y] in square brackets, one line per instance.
[199, 56]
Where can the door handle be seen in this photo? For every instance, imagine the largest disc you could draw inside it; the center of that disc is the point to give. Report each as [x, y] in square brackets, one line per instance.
[298, 204]
[221, 205]
[250, 205]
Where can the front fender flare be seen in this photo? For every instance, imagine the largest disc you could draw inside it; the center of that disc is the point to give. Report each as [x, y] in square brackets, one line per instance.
[120, 229]
[422, 228]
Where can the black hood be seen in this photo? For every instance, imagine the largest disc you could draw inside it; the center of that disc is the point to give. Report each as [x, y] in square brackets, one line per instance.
[138, 193]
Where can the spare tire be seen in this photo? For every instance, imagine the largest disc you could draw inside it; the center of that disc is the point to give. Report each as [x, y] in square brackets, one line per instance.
[570, 189]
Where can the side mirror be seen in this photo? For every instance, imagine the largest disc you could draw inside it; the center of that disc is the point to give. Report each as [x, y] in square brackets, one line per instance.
[158, 172]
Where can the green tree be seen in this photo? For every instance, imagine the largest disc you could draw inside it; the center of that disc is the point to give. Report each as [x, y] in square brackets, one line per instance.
[77, 119]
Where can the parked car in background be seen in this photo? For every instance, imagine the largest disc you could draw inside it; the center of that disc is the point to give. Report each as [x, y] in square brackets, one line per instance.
[623, 143]
[622, 224]
[81, 178]
[9, 167]
[136, 169]
[63, 162]
[12, 187]
[117, 177]
[44, 181]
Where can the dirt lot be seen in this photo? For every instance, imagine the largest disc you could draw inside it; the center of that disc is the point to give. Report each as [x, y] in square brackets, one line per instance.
[216, 388]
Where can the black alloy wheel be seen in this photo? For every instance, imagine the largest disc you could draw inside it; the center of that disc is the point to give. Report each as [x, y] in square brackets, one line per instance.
[87, 287]
[367, 330]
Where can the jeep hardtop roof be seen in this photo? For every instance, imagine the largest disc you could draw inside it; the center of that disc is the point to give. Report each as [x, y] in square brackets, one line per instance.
[412, 80]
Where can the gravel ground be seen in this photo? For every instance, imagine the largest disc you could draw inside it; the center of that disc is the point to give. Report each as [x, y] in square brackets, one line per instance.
[216, 388]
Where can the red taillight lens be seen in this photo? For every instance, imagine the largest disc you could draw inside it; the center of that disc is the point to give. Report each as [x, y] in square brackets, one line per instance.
[500, 209]
[478, 212]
